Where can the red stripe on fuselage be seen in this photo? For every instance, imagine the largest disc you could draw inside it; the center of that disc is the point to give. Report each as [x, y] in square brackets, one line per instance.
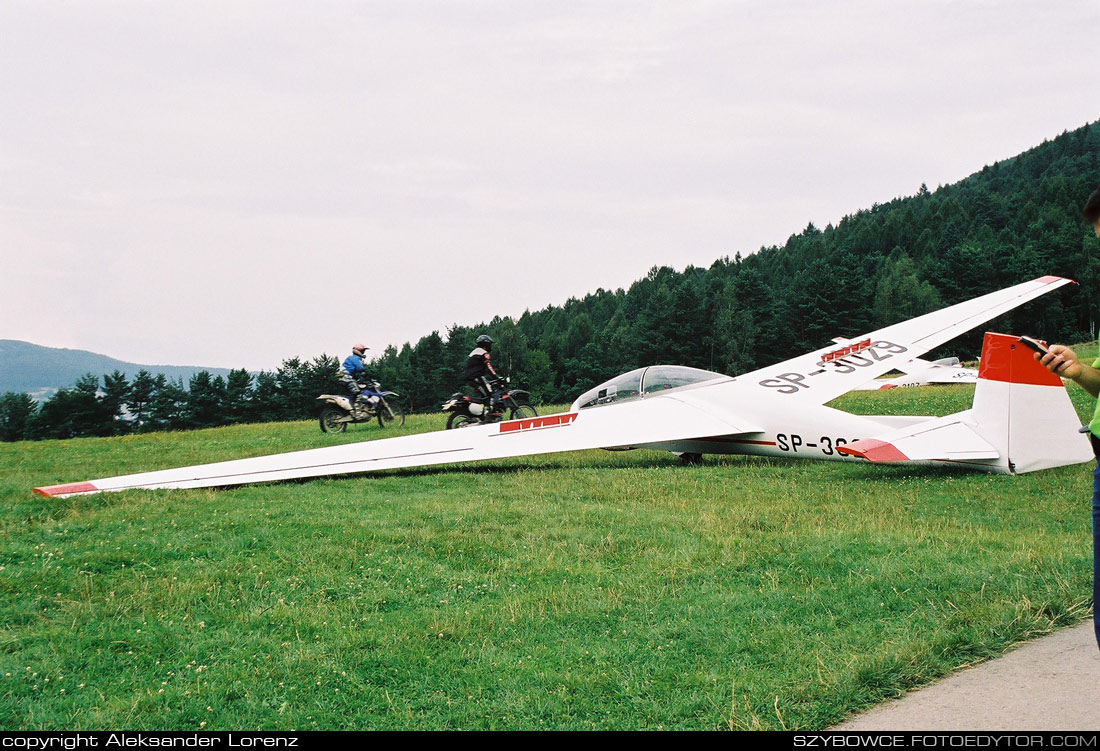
[537, 423]
[720, 439]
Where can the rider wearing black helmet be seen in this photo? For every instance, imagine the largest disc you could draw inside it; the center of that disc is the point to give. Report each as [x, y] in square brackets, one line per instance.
[479, 371]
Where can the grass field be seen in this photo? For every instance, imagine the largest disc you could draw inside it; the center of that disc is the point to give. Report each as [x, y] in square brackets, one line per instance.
[590, 590]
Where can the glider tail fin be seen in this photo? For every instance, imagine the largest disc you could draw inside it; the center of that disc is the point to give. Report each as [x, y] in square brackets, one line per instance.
[1023, 409]
[1022, 421]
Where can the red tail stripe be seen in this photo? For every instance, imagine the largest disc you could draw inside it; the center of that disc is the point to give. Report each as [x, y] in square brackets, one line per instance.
[874, 450]
[1005, 359]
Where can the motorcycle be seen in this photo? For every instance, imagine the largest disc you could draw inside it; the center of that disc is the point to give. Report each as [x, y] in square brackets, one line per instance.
[339, 411]
[466, 411]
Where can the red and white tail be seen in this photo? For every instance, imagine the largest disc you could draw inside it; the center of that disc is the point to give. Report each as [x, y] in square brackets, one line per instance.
[1022, 421]
[1023, 409]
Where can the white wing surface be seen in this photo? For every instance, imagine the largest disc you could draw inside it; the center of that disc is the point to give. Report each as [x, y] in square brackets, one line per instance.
[658, 418]
[821, 376]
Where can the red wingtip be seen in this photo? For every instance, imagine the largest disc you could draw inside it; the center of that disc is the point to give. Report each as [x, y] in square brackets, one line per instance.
[72, 488]
[1005, 359]
[873, 450]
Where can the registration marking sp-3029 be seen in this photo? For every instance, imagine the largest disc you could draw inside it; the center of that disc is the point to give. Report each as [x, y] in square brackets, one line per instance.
[878, 351]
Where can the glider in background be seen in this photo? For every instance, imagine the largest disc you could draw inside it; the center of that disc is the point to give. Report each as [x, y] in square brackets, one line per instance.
[918, 372]
[1021, 421]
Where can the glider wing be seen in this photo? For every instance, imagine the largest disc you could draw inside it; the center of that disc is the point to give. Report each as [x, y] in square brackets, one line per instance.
[659, 418]
[822, 376]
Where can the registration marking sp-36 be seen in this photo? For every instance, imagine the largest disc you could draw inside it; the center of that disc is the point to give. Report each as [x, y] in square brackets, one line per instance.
[827, 445]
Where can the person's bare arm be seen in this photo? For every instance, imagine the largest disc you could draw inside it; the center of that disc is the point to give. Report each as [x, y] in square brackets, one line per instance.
[1063, 361]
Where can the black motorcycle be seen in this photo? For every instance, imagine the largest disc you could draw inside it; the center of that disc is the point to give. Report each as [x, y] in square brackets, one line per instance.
[339, 411]
[466, 411]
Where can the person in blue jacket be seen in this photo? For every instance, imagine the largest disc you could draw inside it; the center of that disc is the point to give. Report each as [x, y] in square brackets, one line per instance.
[353, 367]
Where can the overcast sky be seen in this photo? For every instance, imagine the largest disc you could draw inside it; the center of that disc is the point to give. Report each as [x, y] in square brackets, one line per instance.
[232, 183]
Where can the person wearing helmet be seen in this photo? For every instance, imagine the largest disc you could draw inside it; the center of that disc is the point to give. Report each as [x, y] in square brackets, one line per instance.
[479, 371]
[350, 371]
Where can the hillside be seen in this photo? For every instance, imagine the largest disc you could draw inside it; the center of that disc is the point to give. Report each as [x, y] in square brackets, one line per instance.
[41, 371]
[1008, 222]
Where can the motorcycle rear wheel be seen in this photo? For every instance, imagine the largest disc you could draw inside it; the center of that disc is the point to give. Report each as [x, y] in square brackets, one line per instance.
[459, 420]
[332, 420]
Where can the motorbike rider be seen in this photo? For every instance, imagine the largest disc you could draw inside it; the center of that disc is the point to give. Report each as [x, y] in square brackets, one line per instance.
[479, 371]
[353, 367]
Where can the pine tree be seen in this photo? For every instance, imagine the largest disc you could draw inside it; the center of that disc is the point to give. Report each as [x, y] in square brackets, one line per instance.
[137, 403]
[16, 410]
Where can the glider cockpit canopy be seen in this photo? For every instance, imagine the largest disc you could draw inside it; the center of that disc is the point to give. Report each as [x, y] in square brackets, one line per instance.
[643, 382]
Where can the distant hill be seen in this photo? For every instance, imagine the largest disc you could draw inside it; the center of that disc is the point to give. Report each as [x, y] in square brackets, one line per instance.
[42, 371]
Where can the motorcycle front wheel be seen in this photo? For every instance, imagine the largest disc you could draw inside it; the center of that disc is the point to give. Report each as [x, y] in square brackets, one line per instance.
[390, 413]
[459, 420]
[332, 420]
[522, 411]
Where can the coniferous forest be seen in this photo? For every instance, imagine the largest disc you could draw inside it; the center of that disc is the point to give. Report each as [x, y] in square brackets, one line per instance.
[1012, 221]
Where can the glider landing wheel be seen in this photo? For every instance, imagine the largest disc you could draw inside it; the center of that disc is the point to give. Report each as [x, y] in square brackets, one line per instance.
[691, 460]
[332, 420]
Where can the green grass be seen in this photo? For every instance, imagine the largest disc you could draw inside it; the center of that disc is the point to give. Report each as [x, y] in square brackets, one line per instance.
[604, 590]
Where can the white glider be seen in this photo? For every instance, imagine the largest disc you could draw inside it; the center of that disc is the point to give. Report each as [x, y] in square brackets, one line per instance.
[918, 372]
[1022, 419]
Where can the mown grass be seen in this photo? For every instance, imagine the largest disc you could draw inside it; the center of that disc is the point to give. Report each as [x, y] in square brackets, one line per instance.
[590, 590]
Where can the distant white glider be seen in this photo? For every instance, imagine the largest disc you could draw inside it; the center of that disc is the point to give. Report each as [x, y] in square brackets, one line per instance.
[918, 372]
[1021, 421]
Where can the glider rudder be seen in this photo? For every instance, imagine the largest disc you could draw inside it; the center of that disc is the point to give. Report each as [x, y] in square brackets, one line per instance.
[1024, 410]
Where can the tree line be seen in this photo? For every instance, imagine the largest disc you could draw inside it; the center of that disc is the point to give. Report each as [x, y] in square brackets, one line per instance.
[1012, 221]
[118, 406]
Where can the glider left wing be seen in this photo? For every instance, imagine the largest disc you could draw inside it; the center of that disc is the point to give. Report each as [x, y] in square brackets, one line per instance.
[660, 418]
